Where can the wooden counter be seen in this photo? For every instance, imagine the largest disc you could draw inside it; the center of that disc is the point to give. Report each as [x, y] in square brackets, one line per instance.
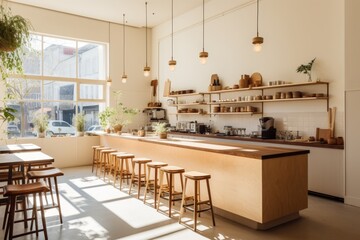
[260, 187]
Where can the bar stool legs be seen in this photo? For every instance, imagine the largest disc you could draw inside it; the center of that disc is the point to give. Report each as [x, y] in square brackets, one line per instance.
[156, 166]
[170, 171]
[197, 203]
[140, 162]
[14, 191]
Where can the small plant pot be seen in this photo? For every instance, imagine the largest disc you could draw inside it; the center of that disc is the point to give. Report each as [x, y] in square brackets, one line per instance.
[80, 134]
[41, 134]
[118, 128]
[163, 135]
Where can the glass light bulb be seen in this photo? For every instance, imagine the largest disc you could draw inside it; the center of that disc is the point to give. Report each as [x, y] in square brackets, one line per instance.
[172, 67]
[124, 79]
[146, 73]
[203, 60]
[257, 47]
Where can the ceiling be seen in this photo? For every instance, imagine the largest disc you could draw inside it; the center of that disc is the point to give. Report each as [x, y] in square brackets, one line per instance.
[159, 11]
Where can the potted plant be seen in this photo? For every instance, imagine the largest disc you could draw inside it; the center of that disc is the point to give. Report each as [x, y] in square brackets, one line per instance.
[161, 130]
[104, 118]
[14, 35]
[41, 122]
[120, 115]
[79, 120]
[306, 69]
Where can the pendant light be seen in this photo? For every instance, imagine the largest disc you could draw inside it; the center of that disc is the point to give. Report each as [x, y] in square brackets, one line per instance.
[172, 62]
[203, 55]
[124, 76]
[109, 81]
[257, 41]
[146, 68]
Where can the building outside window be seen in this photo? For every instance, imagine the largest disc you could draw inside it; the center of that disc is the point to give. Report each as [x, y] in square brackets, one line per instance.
[62, 77]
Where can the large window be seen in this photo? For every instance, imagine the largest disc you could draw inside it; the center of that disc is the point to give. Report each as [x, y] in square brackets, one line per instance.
[62, 77]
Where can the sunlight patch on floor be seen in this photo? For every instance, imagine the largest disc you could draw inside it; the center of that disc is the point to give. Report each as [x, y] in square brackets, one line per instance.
[89, 228]
[170, 231]
[90, 181]
[132, 211]
[105, 193]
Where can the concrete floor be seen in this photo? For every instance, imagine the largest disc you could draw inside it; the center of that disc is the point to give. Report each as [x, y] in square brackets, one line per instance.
[94, 209]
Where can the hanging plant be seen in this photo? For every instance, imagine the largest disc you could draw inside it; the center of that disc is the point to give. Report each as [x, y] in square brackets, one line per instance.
[14, 37]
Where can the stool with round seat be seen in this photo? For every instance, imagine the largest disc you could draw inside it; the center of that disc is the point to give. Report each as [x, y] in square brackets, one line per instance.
[95, 156]
[137, 177]
[14, 191]
[105, 160]
[197, 205]
[170, 172]
[98, 157]
[48, 173]
[156, 166]
[113, 169]
[123, 166]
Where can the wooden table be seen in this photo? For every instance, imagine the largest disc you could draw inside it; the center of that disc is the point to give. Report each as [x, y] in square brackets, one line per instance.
[23, 158]
[15, 148]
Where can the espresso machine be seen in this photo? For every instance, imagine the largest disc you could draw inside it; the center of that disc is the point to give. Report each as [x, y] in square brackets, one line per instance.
[267, 128]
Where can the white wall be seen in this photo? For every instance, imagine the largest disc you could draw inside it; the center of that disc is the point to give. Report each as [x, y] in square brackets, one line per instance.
[294, 33]
[352, 87]
[67, 151]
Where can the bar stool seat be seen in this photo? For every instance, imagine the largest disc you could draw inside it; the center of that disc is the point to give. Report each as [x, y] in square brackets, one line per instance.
[98, 159]
[95, 156]
[196, 205]
[156, 166]
[170, 171]
[137, 178]
[48, 173]
[13, 191]
[123, 166]
[105, 160]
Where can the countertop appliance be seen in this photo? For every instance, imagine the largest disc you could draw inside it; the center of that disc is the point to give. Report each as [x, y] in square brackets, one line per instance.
[267, 128]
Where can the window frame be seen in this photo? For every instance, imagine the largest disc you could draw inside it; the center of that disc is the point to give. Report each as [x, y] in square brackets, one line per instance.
[77, 80]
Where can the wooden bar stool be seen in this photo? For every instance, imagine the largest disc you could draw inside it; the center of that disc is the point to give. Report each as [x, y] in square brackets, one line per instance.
[95, 157]
[113, 165]
[124, 166]
[14, 191]
[48, 173]
[170, 171]
[197, 205]
[105, 159]
[98, 158]
[156, 166]
[137, 178]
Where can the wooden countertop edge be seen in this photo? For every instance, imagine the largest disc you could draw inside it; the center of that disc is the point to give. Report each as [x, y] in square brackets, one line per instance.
[281, 152]
[275, 141]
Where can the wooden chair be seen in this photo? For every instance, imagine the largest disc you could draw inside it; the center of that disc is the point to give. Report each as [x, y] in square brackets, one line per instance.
[123, 166]
[15, 191]
[47, 174]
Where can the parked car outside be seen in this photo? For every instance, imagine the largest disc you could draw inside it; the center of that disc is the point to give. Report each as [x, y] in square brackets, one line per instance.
[59, 127]
[13, 131]
[94, 128]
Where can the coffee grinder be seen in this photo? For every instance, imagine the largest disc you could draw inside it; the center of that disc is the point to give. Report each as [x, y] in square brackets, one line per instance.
[267, 128]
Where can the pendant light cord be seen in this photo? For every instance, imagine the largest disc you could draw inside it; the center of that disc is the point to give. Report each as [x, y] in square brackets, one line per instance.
[109, 53]
[203, 26]
[257, 18]
[124, 43]
[172, 29]
[146, 35]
